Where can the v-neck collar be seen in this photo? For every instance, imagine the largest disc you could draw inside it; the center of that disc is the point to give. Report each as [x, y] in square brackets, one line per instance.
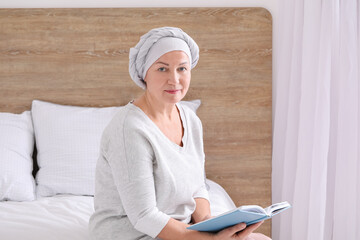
[184, 125]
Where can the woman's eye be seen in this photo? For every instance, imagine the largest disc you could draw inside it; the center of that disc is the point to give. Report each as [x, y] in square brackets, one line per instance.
[162, 69]
[181, 69]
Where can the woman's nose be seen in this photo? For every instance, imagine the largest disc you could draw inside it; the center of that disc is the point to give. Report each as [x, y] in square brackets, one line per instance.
[174, 77]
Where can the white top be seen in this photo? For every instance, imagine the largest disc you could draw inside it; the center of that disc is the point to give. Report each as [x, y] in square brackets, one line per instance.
[143, 178]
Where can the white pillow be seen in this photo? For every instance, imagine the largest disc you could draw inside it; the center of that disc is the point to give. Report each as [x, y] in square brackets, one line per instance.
[68, 143]
[16, 163]
[192, 104]
[220, 201]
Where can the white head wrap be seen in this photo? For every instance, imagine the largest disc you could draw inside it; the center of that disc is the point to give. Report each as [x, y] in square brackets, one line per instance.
[153, 45]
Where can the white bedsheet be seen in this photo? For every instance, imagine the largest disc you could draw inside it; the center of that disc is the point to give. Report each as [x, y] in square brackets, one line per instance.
[53, 218]
[65, 217]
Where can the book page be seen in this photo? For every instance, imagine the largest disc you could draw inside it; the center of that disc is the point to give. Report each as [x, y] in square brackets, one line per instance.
[276, 207]
[253, 208]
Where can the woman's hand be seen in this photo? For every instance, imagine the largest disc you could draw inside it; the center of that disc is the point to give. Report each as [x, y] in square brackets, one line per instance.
[237, 232]
[175, 229]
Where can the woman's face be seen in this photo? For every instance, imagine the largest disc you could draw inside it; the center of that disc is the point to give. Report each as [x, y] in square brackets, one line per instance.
[168, 78]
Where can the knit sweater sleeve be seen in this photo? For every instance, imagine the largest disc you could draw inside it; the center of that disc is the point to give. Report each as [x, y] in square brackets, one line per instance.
[131, 160]
[202, 192]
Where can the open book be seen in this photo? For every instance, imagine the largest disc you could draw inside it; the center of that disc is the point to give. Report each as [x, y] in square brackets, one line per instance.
[249, 214]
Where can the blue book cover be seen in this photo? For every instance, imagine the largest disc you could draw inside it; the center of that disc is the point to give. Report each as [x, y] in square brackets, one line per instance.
[248, 214]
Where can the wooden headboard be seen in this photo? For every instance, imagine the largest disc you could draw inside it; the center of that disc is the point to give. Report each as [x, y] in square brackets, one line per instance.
[80, 57]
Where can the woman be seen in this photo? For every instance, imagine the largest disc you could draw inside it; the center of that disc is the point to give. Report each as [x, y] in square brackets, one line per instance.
[150, 173]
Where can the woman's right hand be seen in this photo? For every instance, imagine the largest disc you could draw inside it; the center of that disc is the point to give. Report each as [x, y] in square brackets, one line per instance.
[237, 232]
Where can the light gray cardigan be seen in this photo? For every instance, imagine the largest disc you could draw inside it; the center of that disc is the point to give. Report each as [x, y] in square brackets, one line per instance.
[143, 179]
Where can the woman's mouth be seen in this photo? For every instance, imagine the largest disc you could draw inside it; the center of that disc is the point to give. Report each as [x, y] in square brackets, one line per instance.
[172, 91]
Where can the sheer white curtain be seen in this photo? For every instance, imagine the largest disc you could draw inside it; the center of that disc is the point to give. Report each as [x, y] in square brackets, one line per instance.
[316, 135]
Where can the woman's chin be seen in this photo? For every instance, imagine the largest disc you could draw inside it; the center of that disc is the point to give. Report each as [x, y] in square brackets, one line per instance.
[174, 98]
[174, 101]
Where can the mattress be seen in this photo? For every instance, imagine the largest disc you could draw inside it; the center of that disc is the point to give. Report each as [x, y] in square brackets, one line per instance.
[65, 217]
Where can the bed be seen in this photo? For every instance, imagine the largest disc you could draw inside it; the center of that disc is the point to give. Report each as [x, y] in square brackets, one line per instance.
[63, 74]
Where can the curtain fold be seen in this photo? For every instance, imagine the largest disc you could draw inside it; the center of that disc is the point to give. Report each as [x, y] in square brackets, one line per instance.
[316, 164]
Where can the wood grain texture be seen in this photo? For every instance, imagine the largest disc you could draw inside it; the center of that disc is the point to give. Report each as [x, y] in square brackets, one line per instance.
[80, 57]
